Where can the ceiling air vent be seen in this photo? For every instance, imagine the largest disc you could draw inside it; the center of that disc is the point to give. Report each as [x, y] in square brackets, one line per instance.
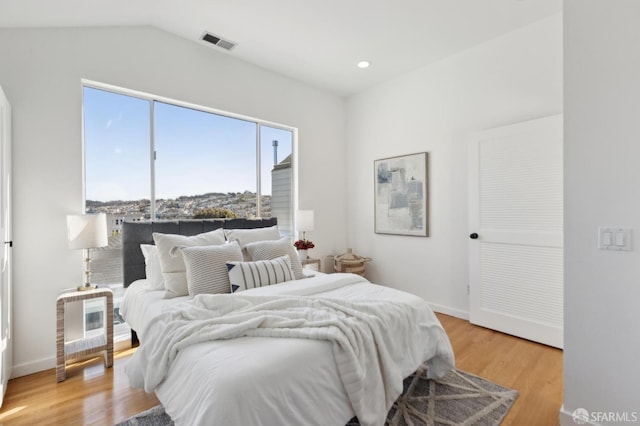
[220, 42]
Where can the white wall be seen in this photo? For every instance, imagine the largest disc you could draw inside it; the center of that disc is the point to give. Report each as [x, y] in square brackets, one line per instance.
[602, 181]
[513, 78]
[40, 71]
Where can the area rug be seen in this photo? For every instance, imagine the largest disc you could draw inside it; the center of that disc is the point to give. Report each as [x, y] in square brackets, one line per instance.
[458, 398]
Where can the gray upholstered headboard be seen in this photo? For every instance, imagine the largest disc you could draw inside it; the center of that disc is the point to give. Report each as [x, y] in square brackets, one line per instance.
[136, 233]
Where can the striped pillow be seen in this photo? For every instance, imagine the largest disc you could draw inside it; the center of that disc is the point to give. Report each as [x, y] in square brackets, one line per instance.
[173, 267]
[246, 275]
[267, 250]
[207, 268]
[246, 236]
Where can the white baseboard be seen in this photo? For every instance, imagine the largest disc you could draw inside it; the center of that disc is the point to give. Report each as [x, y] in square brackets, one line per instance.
[49, 363]
[566, 419]
[121, 345]
[450, 311]
[27, 368]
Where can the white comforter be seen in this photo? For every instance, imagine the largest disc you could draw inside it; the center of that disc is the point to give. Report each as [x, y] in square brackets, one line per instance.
[375, 343]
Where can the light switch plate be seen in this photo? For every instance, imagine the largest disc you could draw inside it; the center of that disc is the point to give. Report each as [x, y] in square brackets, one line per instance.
[615, 239]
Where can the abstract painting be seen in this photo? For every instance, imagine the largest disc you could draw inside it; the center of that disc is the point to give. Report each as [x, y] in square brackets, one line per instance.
[401, 195]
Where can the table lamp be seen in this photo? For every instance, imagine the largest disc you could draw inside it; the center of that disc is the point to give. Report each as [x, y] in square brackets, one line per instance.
[87, 231]
[304, 222]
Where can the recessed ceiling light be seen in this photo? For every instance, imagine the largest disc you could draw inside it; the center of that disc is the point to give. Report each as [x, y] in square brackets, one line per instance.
[364, 64]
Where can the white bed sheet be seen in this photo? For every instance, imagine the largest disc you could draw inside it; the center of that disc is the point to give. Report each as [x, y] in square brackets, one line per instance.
[265, 381]
[140, 305]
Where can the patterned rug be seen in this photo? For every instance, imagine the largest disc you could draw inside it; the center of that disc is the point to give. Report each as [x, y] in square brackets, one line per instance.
[458, 398]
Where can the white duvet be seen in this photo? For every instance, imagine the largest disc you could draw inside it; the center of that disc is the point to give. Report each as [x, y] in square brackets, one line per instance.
[313, 351]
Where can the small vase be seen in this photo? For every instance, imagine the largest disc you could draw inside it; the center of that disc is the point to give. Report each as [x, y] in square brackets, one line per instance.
[302, 255]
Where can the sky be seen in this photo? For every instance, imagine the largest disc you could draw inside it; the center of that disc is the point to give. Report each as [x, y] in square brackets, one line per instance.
[197, 152]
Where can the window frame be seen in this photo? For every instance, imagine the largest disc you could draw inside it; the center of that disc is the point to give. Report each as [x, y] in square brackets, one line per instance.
[152, 153]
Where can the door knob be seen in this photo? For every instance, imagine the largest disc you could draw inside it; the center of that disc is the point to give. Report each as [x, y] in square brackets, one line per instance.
[473, 236]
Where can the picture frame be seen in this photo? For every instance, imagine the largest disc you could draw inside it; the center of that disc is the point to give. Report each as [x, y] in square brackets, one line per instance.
[401, 204]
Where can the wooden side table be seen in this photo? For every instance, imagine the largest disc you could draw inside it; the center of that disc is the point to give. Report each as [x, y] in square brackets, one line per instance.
[310, 261]
[87, 346]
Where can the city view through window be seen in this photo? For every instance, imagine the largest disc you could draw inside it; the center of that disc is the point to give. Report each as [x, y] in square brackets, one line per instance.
[146, 159]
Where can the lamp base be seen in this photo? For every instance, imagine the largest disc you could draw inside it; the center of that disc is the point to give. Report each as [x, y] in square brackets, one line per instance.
[87, 287]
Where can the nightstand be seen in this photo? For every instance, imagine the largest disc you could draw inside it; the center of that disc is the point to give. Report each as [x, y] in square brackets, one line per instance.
[89, 345]
[311, 263]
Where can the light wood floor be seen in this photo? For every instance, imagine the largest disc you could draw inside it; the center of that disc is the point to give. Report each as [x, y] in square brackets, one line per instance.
[534, 370]
[93, 395]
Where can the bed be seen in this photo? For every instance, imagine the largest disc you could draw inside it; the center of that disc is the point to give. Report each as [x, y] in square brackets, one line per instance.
[313, 351]
[135, 234]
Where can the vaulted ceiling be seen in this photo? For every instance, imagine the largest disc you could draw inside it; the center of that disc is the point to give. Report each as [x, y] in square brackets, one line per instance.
[317, 42]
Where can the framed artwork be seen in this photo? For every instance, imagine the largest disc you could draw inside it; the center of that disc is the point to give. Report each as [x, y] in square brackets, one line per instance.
[401, 196]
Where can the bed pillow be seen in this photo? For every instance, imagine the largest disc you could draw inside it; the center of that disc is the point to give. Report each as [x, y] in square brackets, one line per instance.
[260, 273]
[206, 267]
[268, 250]
[172, 265]
[152, 268]
[246, 236]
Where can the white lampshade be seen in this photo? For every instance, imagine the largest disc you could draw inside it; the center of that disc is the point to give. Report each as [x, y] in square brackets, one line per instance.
[304, 220]
[86, 231]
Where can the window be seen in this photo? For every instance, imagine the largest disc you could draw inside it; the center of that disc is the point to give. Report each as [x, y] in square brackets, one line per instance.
[203, 160]
[151, 158]
[146, 158]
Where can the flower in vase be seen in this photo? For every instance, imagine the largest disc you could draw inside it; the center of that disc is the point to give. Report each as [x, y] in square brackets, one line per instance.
[303, 245]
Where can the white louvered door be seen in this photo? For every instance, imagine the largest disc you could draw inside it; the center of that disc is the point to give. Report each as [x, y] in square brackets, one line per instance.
[515, 211]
